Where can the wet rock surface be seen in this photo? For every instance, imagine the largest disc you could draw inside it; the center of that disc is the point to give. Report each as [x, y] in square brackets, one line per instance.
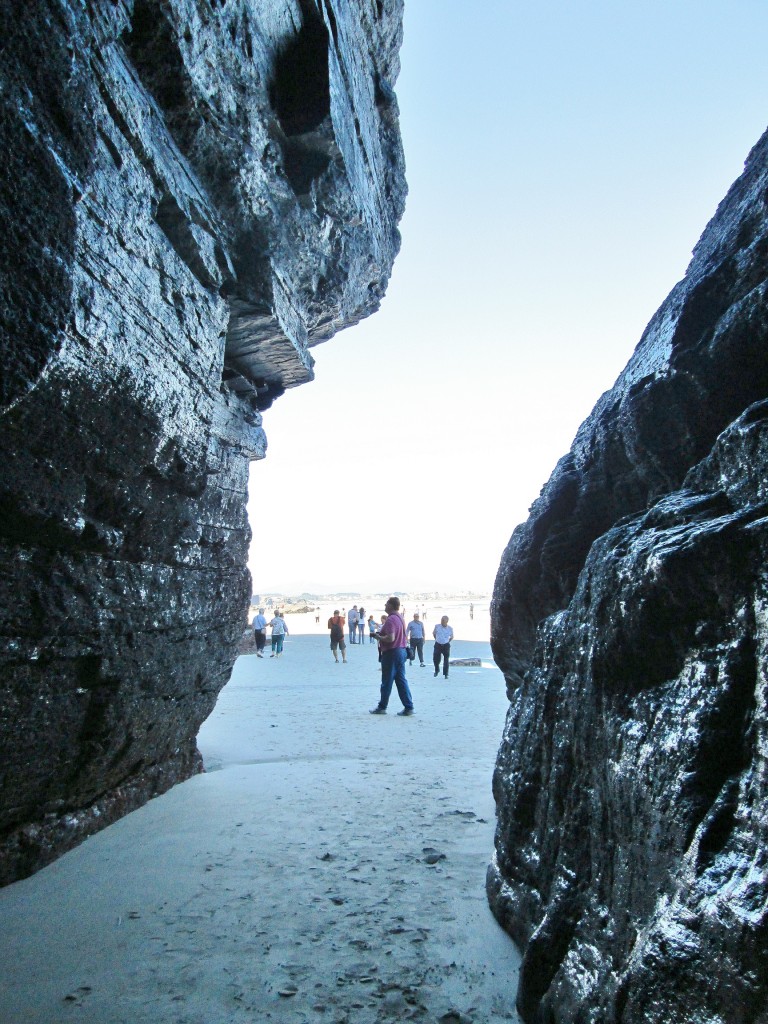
[629, 618]
[193, 194]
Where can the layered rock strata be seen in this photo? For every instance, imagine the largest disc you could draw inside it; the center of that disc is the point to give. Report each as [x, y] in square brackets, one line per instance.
[630, 619]
[193, 194]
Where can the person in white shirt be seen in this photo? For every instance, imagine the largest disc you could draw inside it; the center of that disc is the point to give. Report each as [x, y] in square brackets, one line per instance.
[353, 617]
[279, 632]
[443, 635]
[260, 632]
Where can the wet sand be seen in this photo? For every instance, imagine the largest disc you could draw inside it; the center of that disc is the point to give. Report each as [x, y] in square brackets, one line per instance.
[328, 867]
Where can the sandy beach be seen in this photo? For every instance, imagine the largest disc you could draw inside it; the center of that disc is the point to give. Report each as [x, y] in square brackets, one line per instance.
[328, 867]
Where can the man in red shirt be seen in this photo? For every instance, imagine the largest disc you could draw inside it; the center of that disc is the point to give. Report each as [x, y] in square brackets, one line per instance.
[393, 641]
[336, 626]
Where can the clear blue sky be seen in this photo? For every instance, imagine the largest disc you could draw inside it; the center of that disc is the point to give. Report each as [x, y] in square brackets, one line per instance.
[562, 160]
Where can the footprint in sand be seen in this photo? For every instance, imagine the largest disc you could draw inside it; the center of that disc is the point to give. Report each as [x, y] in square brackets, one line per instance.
[432, 856]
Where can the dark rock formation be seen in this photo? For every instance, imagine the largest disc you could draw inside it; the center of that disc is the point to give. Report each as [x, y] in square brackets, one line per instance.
[193, 194]
[630, 619]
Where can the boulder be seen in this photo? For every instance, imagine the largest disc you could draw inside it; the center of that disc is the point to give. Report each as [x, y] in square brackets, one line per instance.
[629, 618]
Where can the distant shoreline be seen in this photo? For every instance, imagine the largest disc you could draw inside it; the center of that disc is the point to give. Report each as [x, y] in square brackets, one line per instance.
[304, 597]
[469, 614]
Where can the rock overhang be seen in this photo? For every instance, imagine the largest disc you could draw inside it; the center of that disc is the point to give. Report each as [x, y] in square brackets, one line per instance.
[195, 194]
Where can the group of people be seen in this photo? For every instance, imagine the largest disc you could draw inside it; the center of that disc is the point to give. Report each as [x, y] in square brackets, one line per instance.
[397, 644]
[415, 635]
[279, 629]
[356, 623]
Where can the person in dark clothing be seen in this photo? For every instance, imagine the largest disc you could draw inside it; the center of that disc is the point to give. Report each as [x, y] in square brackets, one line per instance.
[443, 635]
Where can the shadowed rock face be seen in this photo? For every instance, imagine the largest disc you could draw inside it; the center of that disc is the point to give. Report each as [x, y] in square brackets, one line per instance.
[193, 194]
[629, 617]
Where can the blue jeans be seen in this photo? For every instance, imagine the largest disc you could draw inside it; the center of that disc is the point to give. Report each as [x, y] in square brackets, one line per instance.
[393, 671]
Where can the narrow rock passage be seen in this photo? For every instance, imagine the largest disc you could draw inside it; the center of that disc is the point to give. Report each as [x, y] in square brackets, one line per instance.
[328, 867]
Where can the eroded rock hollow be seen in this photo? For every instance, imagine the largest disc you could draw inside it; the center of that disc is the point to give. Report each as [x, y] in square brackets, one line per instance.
[630, 620]
[193, 194]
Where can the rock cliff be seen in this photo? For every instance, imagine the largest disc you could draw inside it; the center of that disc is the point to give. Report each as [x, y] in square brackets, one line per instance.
[630, 620]
[193, 193]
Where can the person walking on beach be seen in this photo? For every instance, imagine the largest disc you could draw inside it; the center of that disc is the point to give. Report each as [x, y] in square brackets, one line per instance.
[260, 632]
[279, 631]
[371, 629]
[393, 642]
[336, 626]
[443, 635]
[352, 620]
[416, 638]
